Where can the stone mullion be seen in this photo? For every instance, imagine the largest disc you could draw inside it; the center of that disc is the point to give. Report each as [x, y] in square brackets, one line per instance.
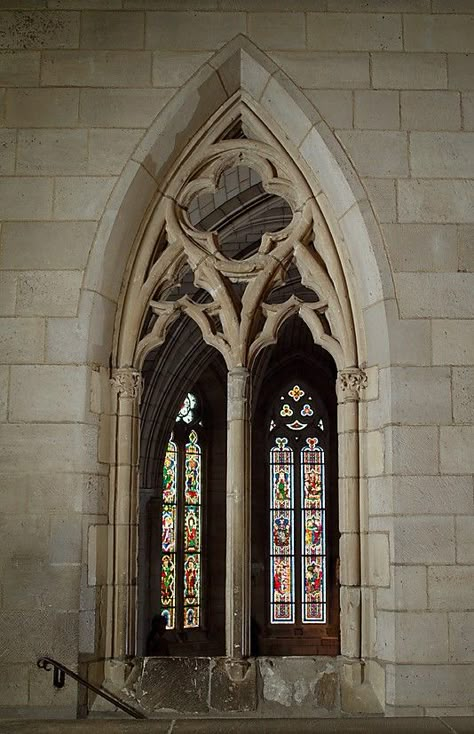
[238, 515]
[124, 536]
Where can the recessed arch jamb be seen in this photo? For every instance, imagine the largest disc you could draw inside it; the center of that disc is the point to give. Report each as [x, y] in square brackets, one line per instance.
[347, 219]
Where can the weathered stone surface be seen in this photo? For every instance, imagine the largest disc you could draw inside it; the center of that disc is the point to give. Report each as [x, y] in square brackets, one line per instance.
[302, 683]
[227, 695]
[174, 683]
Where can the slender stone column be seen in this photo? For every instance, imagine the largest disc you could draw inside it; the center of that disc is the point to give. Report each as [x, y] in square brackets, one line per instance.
[238, 515]
[351, 382]
[123, 512]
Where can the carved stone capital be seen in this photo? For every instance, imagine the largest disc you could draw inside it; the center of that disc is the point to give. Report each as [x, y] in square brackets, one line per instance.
[126, 381]
[238, 384]
[351, 381]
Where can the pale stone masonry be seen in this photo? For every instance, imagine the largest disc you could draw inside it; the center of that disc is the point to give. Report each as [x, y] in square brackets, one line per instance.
[380, 111]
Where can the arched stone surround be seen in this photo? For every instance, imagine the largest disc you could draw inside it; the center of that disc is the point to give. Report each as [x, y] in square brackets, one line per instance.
[242, 79]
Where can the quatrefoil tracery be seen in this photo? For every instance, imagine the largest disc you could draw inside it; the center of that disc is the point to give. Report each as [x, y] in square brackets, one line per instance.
[238, 288]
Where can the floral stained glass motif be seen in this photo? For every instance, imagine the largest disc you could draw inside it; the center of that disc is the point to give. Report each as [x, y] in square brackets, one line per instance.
[282, 582]
[192, 532]
[313, 510]
[168, 536]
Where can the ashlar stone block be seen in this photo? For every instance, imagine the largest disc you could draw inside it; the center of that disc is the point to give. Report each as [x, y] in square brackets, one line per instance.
[25, 198]
[433, 495]
[422, 247]
[377, 153]
[52, 152]
[376, 110]
[109, 150]
[14, 690]
[467, 102]
[423, 539]
[334, 106]
[192, 31]
[42, 107]
[82, 197]
[461, 71]
[277, 30]
[457, 456]
[4, 380]
[52, 393]
[423, 110]
[121, 107]
[325, 70]
[45, 245]
[430, 685]
[96, 68]
[419, 637]
[451, 587]
[21, 340]
[408, 592]
[48, 293]
[411, 450]
[383, 198]
[8, 288]
[441, 201]
[465, 539]
[7, 152]
[442, 155]
[439, 33]
[354, 32]
[435, 295]
[39, 29]
[453, 341]
[112, 30]
[55, 447]
[463, 394]
[19, 69]
[391, 70]
[461, 637]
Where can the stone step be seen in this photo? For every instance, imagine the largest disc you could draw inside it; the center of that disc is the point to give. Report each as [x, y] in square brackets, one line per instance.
[455, 725]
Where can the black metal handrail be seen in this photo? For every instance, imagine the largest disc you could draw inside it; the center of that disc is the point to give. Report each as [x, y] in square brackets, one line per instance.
[59, 674]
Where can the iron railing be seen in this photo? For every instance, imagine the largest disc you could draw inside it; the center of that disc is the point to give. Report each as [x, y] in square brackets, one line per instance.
[59, 676]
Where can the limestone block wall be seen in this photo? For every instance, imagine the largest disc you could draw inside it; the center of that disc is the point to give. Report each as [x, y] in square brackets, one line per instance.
[80, 84]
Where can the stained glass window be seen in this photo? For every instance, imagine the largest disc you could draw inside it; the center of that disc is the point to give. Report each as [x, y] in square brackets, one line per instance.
[192, 532]
[181, 523]
[168, 535]
[282, 554]
[313, 541]
[297, 511]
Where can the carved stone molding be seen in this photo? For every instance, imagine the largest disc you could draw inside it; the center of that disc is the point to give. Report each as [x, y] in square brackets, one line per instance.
[126, 381]
[351, 382]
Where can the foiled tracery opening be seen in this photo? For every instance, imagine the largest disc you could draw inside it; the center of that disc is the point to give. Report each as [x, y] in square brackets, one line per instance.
[239, 254]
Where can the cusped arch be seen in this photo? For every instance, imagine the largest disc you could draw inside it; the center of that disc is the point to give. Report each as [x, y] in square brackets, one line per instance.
[239, 75]
[239, 82]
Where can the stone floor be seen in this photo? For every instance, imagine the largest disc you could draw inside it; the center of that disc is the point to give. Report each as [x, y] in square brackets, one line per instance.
[455, 725]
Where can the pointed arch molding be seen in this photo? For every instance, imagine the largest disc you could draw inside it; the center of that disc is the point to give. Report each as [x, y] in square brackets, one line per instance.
[332, 238]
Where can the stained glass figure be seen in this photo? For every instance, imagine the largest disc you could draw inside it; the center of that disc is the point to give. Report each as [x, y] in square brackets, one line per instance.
[313, 538]
[168, 535]
[192, 531]
[282, 533]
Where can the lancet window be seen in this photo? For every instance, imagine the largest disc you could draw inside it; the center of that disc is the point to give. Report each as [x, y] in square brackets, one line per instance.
[182, 521]
[297, 507]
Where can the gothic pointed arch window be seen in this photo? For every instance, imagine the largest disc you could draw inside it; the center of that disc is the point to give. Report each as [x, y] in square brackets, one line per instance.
[296, 608]
[181, 518]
